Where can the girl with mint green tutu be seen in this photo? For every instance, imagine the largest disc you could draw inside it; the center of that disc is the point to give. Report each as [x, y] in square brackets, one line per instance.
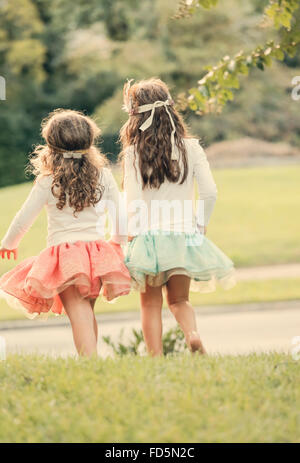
[167, 243]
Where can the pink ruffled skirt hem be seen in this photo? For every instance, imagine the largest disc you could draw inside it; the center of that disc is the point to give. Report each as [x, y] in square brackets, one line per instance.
[92, 267]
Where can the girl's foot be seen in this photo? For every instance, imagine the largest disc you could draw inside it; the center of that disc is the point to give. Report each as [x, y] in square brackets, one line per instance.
[195, 343]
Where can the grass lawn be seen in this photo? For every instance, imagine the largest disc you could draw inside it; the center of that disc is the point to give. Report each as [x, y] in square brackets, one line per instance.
[254, 398]
[257, 215]
[243, 292]
[255, 223]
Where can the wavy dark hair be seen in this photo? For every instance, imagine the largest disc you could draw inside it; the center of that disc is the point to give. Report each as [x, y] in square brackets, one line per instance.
[75, 181]
[154, 144]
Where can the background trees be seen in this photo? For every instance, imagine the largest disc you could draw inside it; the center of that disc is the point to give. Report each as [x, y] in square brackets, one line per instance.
[61, 53]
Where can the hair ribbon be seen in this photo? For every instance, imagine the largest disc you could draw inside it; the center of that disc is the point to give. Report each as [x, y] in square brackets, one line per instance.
[148, 122]
[72, 155]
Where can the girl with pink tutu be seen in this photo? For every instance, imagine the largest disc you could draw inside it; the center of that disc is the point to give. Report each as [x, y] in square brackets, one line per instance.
[73, 184]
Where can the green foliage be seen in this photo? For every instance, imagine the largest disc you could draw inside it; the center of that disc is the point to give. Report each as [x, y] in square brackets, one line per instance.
[22, 58]
[173, 343]
[21, 49]
[214, 89]
[187, 8]
[134, 347]
[281, 12]
[59, 53]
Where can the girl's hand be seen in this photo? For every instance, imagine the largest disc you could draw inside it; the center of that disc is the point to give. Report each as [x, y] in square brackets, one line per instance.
[8, 252]
[130, 238]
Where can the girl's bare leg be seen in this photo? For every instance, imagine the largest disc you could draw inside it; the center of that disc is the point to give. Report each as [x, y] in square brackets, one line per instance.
[93, 302]
[178, 288]
[81, 317]
[151, 304]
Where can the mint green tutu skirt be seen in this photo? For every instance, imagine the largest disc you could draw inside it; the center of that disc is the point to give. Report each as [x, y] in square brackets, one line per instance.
[154, 257]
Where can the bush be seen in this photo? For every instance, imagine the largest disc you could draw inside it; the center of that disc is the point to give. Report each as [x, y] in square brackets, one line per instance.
[173, 343]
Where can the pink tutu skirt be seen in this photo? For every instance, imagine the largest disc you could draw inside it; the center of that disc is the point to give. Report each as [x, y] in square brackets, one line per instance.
[93, 266]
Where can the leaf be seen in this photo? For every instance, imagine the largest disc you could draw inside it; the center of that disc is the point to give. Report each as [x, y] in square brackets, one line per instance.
[193, 105]
[243, 68]
[203, 89]
[278, 54]
[260, 65]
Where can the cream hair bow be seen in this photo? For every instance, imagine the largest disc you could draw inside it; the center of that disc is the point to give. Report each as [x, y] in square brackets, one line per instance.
[72, 155]
[152, 107]
[148, 122]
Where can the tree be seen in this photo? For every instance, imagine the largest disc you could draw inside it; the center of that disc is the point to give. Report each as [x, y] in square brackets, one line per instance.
[216, 87]
[22, 56]
[61, 53]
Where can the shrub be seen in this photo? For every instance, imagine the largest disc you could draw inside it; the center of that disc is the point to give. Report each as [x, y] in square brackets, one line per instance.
[173, 343]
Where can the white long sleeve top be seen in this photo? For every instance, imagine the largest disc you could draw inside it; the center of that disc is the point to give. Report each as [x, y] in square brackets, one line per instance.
[63, 226]
[171, 207]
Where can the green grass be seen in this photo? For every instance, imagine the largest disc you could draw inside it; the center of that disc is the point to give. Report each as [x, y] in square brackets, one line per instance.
[254, 398]
[243, 292]
[255, 222]
[257, 219]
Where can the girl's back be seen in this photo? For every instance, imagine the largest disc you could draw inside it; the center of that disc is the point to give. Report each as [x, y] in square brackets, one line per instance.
[64, 225]
[176, 197]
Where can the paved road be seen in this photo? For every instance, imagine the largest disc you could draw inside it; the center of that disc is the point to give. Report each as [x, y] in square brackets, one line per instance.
[227, 329]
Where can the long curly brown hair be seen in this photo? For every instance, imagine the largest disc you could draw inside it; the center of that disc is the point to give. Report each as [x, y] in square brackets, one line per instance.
[154, 144]
[75, 181]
